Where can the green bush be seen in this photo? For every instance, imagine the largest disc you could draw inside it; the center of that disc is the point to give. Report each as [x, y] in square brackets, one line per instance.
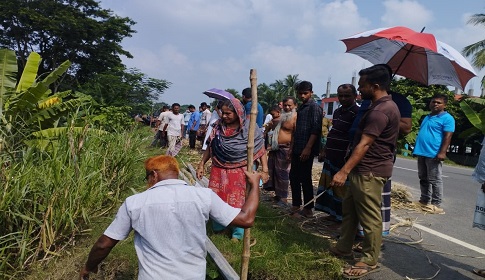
[49, 195]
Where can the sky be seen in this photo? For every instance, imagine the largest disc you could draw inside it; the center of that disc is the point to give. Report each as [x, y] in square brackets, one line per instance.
[201, 44]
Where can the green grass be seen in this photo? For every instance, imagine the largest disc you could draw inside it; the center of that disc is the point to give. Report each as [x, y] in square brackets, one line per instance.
[282, 249]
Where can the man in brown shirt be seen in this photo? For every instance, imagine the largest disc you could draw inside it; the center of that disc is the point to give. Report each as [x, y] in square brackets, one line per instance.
[368, 169]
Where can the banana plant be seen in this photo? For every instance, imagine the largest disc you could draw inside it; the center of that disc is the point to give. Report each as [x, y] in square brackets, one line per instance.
[476, 117]
[28, 108]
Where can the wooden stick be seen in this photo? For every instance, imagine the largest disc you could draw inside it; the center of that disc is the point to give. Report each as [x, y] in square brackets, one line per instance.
[252, 126]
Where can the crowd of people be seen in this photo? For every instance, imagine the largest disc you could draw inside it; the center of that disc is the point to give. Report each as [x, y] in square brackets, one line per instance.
[357, 148]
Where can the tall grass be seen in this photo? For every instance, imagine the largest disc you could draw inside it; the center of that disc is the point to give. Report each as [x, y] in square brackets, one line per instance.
[49, 195]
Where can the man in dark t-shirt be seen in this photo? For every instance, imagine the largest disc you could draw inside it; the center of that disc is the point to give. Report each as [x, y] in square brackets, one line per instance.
[368, 168]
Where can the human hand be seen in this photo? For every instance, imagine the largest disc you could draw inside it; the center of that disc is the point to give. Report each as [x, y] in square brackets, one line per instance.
[252, 177]
[265, 177]
[200, 171]
[338, 179]
[305, 154]
[321, 156]
[440, 157]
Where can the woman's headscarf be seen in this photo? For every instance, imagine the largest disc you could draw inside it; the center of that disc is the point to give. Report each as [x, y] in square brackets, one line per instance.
[231, 151]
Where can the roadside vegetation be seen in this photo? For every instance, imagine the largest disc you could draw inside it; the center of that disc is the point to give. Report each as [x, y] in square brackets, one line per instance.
[70, 151]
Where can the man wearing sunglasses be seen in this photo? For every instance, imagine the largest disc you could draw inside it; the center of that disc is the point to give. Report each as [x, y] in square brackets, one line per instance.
[169, 220]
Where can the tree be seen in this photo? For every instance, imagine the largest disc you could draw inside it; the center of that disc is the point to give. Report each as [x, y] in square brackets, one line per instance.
[420, 96]
[76, 30]
[477, 50]
[126, 88]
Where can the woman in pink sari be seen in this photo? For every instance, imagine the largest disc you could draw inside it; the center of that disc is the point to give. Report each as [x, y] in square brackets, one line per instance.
[228, 152]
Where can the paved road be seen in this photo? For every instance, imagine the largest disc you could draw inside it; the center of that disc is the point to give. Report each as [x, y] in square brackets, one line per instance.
[451, 234]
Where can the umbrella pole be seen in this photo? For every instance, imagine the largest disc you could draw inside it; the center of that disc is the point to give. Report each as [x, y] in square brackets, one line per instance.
[402, 61]
[252, 126]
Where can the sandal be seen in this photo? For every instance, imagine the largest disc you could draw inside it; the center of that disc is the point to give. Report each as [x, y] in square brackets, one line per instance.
[359, 270]
[479, 272]
[339, 254]
[358, 247]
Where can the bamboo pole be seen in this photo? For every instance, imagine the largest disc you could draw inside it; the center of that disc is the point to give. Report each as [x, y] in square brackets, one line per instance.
[252, 126]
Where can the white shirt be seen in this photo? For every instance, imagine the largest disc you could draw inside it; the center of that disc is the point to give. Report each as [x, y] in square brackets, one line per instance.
[206, 115]
[174, 124]
[268, 118]
[214, 118]
[169, 220]
[163, 119]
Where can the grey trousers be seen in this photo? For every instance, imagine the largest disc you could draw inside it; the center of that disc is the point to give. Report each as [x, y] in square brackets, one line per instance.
[430, 180]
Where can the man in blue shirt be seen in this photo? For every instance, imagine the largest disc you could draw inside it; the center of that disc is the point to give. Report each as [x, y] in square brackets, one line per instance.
[193, 126]
[247, 101]
[432, 142]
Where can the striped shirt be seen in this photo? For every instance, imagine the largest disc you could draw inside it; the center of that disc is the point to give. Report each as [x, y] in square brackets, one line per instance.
[338, 138]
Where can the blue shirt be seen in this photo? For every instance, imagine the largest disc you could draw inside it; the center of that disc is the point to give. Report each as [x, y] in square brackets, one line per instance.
[259, 117]
[195, 117]
[431, 134]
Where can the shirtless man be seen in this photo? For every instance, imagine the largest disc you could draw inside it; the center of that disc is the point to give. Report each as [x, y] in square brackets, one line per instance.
[279, 157]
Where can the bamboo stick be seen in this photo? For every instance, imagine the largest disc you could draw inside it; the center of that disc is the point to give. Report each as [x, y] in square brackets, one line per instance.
[252, 126]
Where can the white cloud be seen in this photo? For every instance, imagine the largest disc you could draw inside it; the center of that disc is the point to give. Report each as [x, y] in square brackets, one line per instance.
[406, 13]
[342, 18]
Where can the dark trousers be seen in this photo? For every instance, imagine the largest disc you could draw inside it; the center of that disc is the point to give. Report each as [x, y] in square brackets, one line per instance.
[192, 138]
[160, 136]
[301, 179]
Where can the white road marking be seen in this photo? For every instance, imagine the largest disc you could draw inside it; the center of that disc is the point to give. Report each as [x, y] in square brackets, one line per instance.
[444, 236]
[408, 169]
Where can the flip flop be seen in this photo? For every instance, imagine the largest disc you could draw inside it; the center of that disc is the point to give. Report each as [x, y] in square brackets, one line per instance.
[358, 247]
[367, 269]
[479, 272]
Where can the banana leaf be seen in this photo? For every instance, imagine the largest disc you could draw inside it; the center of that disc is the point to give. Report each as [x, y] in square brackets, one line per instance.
[476, 119]
[8, 75]
[30, 72]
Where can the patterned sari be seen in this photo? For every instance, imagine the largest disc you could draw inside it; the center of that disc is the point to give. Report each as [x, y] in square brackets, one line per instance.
[229, 157]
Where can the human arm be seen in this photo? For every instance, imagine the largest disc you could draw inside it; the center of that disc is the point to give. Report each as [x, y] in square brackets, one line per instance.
[316, 132]
[246, 216]
[200, 168]
[444, 146]
[99, 252]
[265, 170]
[357, 155]
[405, 125]
[307, 151]
[322, 154]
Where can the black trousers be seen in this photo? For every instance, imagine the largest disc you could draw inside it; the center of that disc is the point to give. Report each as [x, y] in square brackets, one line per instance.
[192, 138]
[301, 179]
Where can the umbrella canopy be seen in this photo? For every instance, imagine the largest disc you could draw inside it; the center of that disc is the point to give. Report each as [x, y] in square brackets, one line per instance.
[414, 55]
[218, 94]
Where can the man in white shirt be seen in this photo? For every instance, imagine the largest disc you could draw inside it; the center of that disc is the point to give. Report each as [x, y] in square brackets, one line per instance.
[174, 127]
[161, 134]
[169, 222]
[205, 117]
[215, 115]
[187, 115]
